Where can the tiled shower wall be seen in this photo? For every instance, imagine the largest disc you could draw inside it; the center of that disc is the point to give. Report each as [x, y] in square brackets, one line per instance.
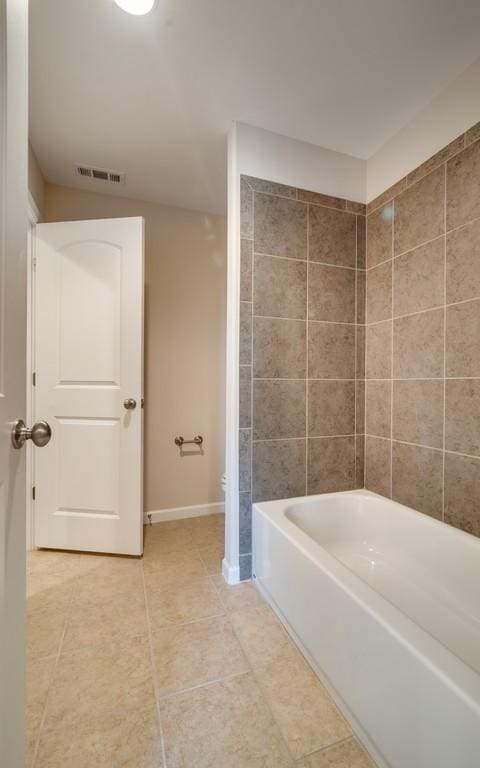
[302, 348]
[423, 337]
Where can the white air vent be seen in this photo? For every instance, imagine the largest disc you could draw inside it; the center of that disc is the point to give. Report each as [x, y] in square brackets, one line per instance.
[100, 174]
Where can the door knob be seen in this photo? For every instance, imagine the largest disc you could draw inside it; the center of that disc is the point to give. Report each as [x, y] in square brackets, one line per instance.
[39, 434]
[129, 404]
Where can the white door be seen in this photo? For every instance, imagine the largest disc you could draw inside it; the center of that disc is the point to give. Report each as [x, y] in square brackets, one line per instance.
[89, 385]
[13, 308]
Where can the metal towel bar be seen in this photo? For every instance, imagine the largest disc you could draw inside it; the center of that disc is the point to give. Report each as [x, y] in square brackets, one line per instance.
[197, 440]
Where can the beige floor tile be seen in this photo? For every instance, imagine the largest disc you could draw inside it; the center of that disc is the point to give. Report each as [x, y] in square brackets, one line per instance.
[226, 725]
[238, 596]
[95, 681]
[45, 629]
[196, 653]
[48, 591]
[182, 603]
[164, 538]
[156, 560]
[175, 574]
[307, 717]
[212, 557]
[261, 635]
[114, 741]
[109, 582]
[348, 754]
[111, 621]
[38, 678]
[52, 561]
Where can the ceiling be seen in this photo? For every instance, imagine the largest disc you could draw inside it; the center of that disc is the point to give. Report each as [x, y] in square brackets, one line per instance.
[154, 96]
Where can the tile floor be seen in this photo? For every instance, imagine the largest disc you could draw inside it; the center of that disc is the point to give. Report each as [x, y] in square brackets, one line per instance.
[159, 664]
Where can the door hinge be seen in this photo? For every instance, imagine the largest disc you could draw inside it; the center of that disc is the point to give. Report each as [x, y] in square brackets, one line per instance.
[34, 263]
[33, 492]
[34, 379]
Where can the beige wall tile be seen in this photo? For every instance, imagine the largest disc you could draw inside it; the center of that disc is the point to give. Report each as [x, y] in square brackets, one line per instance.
[278, 409]
[280, 226]
[318, 199]
[280, 287]
[332, 236]
[462, 492]
[378, 465]
[463, 259]
[245, 352]
[246, 258]
[196, 653]
[419, 278]
[462, 416]
[463, 339]
[245, 396]
[331, 293]
[389, 194]
[472, 134]
[331, 351]
[379, 235]
[360, 208]
[245, 458]
[331, 408]
[379, 351]
[305, 713]
[347, 754]
[226, 724]
[418, 345]
[437, 159]
[463, 186]
[418, 412]
[378, 408]
[271, 187]
[417, 478]
[278, 469]
[420, 212]
[331, 464]
[379, 293]
[361, 242]
[246, 209]
[280, 348]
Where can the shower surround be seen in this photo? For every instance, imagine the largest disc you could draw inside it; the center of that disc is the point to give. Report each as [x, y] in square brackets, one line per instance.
[423, 337]
[302, 347]
[359, 342]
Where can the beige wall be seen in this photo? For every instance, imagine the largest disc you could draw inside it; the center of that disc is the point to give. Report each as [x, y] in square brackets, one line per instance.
[36, 182]
[185, 306]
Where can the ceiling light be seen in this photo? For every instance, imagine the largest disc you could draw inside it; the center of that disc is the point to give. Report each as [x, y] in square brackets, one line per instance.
[137, 7]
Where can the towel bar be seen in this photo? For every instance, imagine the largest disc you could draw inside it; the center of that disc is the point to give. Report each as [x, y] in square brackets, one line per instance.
[198, 440]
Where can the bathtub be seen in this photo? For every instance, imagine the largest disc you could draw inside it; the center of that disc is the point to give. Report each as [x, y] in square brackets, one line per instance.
[385, 604]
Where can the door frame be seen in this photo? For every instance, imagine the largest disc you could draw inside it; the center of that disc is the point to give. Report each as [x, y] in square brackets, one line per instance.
[33, 219]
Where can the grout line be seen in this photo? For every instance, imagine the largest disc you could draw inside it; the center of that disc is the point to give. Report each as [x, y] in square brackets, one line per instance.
[355, 359]
[320, 751]
[392, 352]
[300, 320]
[405, 442]
[205, 684]
[423, 311]
[153, 671]
[306, 437]
[251, 402]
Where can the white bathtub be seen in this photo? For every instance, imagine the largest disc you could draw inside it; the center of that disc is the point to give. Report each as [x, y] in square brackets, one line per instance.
[385, 603]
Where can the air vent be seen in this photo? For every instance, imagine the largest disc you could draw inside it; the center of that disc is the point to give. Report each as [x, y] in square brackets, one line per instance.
[100, 174]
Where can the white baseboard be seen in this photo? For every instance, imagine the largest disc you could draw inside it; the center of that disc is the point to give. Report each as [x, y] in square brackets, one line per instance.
[178, 513]
[231, 573]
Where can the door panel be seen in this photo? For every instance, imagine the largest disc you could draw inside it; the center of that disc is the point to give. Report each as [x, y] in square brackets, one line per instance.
[13, 311]
[89, 359]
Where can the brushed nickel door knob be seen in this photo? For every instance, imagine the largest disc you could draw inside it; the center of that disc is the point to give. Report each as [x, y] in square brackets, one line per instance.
[129, 404]
[39, 434]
